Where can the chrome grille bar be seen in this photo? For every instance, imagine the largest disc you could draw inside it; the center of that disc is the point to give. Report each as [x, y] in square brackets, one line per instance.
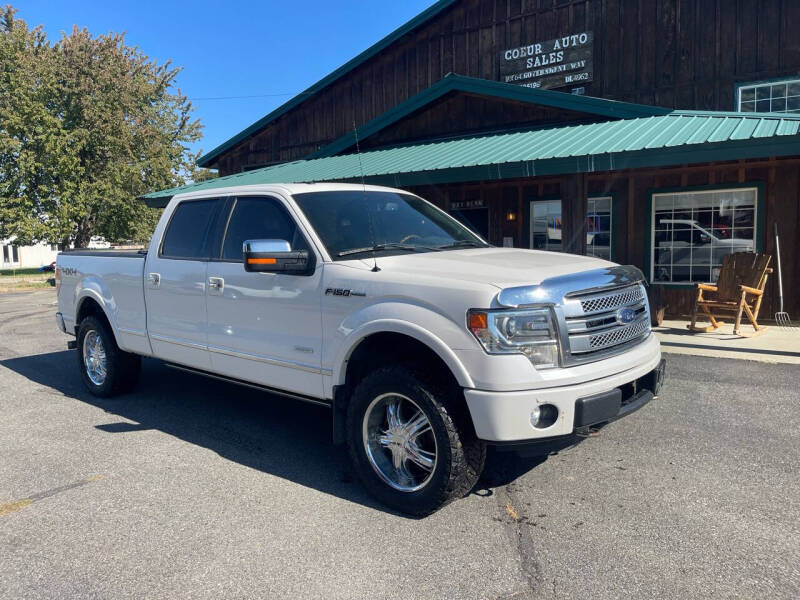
[594, 326]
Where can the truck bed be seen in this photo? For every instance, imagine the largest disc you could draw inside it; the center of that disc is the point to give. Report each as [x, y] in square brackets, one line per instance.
[114, 279]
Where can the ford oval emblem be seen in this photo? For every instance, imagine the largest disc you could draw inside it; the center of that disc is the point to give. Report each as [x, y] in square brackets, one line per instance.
[625, 316]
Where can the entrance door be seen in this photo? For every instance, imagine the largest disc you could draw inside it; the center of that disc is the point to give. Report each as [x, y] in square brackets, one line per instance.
[264, 327]
[545, 225]
[476, 219]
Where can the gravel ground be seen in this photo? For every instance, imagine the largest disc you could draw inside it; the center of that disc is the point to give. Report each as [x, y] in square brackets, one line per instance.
[197, 489]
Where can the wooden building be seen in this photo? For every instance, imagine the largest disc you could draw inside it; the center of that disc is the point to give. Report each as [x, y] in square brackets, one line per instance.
[659, 133]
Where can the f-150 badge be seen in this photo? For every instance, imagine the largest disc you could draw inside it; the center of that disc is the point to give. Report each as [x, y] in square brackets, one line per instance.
[343, 292]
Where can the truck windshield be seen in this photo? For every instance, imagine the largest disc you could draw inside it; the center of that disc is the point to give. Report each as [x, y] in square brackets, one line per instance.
[351, 223]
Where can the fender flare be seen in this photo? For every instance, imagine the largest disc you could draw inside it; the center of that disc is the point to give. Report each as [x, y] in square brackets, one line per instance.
[93, 288]
[422, 335]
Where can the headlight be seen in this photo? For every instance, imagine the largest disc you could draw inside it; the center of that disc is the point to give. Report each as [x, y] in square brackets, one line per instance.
[531, 332]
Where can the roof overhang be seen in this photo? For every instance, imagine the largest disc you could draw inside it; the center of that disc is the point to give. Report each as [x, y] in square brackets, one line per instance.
[680, 138]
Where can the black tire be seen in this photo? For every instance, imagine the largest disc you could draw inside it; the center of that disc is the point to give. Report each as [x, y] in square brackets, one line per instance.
[459, 454]
[122, 368]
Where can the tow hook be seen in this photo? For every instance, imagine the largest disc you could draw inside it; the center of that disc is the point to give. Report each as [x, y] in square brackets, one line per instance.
[587, 432]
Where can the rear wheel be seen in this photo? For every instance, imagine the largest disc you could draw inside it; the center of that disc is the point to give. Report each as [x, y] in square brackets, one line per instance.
[411, 441]
[105, 369]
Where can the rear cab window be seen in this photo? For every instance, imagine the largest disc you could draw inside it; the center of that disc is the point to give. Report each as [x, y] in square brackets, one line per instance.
[187, 233]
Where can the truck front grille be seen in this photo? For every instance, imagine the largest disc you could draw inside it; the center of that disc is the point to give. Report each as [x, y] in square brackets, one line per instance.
[597, 326]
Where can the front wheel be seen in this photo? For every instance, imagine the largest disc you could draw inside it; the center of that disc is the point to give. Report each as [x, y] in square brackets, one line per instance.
[411, 441]
[105, 369]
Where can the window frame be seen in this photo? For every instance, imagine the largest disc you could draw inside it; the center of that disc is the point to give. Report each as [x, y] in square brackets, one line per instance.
[758, 222]
[220, 204]
[227, 213]
[528, 223]
[740, 86]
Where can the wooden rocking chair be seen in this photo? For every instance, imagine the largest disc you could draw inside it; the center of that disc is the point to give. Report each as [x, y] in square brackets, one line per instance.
[739, 289]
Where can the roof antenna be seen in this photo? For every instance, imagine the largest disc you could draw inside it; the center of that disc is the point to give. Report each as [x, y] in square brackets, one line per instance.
[375, 267]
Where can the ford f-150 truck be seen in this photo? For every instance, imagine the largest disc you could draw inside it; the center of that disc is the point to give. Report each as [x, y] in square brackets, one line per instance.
[426, 342]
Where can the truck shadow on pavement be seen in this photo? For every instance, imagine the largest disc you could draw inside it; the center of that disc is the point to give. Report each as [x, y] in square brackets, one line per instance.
[286, 438]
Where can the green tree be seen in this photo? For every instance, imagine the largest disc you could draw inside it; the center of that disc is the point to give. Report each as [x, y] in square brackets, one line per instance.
[199, 175]
[87, 124]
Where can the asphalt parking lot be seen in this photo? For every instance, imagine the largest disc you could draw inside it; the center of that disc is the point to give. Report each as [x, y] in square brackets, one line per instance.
[198, 489]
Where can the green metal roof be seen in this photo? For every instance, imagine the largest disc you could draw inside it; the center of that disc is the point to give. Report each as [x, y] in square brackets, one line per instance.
[495, 89]
[208, 159]
[681, 137]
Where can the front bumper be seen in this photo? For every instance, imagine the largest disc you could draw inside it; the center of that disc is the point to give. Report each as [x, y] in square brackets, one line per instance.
[506, 416]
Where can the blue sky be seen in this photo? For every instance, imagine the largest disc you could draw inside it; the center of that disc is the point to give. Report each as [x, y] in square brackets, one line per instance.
[268, 48]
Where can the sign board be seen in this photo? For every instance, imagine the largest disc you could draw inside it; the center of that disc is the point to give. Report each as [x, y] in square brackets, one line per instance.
[467, 204]
[555, 63]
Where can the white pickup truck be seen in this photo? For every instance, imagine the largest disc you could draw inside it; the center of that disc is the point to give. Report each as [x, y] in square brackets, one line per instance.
[426, 342]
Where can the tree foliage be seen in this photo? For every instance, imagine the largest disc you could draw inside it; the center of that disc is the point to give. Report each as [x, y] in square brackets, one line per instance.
[87, 124]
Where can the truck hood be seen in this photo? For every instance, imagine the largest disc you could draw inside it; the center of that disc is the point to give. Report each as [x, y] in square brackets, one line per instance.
[501, 267]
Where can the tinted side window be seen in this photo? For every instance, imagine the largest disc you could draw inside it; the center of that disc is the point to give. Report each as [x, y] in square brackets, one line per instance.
[186, 232]
[259, 219]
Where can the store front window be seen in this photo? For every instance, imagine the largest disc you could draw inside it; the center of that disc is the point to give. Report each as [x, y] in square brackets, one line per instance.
[546, 231]
[598, 227]
[546, 225]
[692, 231]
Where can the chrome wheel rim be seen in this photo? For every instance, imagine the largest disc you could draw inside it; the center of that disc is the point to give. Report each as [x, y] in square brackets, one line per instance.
[399, 442]
[94, 357]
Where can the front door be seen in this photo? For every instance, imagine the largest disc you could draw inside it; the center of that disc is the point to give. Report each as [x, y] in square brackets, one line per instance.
[264, 327]
[175, 285]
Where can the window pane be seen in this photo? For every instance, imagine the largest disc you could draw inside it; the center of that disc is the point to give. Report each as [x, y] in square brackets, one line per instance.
[748, 107]
[258, 219]
[350, 220]
[762, 106]
[762, 93]
[546, 225]
[778, 105]
[598, 227]
[705, 226]
[747, 94]
[186, 234]
[779, 90]
[793, 103]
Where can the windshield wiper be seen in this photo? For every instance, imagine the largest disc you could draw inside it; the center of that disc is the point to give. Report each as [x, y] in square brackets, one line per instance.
[379, 247]
[463, 244]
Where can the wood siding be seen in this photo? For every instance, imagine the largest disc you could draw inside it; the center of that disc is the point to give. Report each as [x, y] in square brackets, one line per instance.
[674, 53]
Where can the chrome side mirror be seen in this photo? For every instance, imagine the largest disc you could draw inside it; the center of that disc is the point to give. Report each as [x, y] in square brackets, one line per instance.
[275, 256]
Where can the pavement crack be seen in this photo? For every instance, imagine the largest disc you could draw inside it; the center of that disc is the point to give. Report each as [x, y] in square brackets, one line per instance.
[519, 530]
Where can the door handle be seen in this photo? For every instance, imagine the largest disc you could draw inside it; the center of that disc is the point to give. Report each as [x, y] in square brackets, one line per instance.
[216, 283]
[154, 279]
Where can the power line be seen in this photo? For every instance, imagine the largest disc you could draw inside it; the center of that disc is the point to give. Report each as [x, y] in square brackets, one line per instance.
[252, 96]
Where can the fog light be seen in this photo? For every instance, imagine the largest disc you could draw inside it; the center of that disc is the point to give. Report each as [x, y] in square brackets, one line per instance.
[543, 416]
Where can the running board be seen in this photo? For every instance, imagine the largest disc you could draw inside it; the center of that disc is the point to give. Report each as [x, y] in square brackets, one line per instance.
[255, 386]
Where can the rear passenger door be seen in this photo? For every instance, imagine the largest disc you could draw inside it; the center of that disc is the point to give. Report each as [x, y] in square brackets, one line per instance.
[264, 327]
[175, 284]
